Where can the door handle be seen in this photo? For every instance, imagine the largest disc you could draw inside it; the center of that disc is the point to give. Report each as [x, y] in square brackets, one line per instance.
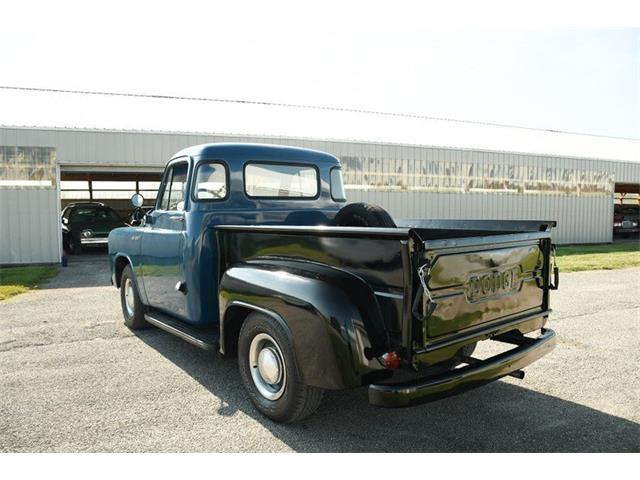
[177, 218]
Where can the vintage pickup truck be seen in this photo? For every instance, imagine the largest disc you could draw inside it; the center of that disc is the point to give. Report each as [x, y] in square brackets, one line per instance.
[251, 251]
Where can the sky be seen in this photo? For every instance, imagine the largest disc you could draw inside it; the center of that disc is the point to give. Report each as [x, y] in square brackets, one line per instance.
[365, 55]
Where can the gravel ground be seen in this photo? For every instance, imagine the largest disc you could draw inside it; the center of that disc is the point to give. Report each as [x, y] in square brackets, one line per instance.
[73, 378]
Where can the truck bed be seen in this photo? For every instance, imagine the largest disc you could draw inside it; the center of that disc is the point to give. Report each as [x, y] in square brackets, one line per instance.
[477, 274]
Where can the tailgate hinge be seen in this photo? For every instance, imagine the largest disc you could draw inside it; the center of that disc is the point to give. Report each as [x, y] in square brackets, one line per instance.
[424, 274]
[556, 270]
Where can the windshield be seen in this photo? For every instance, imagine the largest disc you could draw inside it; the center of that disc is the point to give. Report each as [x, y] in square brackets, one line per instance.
[92, 214]
[627, 210]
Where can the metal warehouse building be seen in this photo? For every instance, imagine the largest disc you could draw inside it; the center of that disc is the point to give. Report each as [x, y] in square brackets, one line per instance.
[43, 168]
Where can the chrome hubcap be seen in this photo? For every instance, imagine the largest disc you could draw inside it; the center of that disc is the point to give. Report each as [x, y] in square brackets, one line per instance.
[129, 301]
[269, 366]
[268, 369]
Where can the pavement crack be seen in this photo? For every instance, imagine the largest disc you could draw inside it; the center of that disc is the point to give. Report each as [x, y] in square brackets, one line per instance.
[68, 342]
[587, 314]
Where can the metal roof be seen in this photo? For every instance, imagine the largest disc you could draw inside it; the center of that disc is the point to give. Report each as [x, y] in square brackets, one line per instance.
[63, 110]
[256, 151]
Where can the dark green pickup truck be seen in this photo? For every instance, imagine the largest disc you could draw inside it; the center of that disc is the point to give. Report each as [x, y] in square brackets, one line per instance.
[252, 252]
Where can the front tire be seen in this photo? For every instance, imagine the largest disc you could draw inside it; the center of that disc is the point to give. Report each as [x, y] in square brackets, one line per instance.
[132, 306]
[269, 372]
[75, 247]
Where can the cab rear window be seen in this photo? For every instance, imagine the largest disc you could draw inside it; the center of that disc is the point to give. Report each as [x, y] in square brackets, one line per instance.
[272, 180]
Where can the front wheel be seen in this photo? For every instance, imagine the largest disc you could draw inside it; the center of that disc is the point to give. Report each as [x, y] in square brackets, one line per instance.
[132, 306]
[269, 371]
[74, 245]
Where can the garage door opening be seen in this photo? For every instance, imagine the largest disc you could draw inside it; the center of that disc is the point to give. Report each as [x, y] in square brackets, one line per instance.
[626, 210]
[93, 203]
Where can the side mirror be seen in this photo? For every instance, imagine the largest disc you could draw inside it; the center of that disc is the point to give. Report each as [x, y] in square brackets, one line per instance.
[137, 200]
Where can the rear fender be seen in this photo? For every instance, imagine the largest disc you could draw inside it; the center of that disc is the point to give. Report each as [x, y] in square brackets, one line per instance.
[332, 316]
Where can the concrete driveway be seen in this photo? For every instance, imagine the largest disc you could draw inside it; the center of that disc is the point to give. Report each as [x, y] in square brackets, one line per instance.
[73, 378]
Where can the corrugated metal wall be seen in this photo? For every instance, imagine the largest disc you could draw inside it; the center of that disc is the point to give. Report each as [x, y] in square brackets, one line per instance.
[29, 226]
[108, 148]
[29, 205]
[580, 220]
[583, 216]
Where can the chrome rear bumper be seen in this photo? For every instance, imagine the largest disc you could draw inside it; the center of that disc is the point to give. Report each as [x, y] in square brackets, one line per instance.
[459, 380]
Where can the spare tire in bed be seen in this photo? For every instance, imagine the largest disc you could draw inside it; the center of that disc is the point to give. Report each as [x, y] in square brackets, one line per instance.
[363, 215]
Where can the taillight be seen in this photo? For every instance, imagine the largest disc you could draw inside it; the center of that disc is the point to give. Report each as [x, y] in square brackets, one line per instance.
[390, 360]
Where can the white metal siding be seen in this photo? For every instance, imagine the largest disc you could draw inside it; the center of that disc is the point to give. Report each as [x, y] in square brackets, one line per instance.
[29, 215]
[109, 148]
[29, 226]
[580, 220]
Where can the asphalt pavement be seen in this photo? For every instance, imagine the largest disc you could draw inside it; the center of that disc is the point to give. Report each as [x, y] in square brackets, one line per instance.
[74, 378]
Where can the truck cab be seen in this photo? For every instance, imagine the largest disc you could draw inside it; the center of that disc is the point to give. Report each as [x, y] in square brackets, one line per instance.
[204, 186]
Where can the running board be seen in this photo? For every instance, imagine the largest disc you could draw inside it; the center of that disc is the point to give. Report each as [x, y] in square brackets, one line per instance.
[206, 340]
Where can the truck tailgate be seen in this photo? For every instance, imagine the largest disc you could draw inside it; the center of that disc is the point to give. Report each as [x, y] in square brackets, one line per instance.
[478, 281]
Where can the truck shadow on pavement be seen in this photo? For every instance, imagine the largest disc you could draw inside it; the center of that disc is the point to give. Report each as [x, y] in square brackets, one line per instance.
[499, 417]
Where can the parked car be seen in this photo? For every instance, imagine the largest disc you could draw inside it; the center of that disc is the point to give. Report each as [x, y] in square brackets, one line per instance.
[626, 219]
[88, 224]
[252, 252]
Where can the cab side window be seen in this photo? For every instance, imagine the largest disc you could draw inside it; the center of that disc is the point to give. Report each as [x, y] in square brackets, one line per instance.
[211, 181]
[175, 184]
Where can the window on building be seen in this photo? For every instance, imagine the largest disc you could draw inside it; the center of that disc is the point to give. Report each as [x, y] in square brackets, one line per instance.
[27, 167]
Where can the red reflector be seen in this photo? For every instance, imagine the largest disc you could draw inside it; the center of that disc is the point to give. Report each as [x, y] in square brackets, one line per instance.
[391, 360]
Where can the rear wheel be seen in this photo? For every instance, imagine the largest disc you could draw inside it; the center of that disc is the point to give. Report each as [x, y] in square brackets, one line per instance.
[132, 307]
[269, 371]
[363, 215]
